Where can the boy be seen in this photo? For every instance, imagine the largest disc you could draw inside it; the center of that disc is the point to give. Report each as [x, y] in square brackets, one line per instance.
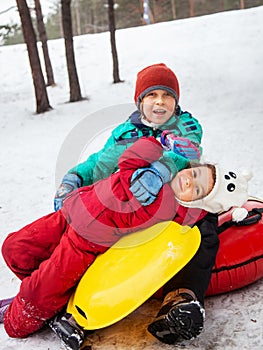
[156, 97]
[51, 254]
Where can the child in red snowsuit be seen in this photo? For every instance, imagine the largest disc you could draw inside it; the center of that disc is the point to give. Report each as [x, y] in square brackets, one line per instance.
[51, 254]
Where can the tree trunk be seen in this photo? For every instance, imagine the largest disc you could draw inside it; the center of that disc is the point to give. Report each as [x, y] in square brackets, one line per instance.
[242, 4]
[191, 8]
[42, 101]
[43, 38]
[116, 77]
[78, 23]
[75, 93]
[173, 8]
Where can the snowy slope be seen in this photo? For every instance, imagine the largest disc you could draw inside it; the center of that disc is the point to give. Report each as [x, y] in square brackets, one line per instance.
[218, 60]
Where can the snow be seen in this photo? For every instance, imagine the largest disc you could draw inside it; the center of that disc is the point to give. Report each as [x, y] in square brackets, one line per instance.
[218, 60]
[9, 13]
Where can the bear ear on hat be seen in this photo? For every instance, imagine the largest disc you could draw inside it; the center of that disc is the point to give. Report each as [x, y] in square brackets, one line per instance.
[239, 214]
[247, 174]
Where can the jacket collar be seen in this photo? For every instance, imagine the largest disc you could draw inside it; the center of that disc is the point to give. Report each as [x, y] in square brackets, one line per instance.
[135, 119]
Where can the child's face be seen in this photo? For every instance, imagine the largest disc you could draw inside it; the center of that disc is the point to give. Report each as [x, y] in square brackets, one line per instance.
[192, 184]
[158, 106]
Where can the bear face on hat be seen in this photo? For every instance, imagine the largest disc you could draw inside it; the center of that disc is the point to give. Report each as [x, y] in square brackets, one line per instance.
[230, 190]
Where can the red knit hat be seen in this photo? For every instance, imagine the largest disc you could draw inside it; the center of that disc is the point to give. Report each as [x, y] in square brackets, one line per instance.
[154, 77]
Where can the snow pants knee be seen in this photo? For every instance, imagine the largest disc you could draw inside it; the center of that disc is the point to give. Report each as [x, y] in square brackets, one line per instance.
[50, 258]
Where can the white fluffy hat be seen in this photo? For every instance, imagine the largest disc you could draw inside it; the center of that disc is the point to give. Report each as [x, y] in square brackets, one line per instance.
[230, 190]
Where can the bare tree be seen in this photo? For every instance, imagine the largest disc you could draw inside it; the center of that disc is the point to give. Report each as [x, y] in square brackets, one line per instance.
[173, 8]
[112, 28]
[42, 101]
[242, 4]
[43, 38]
[75, 93]
[191, 8]
[77, 14]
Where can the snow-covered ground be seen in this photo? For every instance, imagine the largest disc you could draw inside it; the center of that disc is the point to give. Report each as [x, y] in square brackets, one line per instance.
[218, 60]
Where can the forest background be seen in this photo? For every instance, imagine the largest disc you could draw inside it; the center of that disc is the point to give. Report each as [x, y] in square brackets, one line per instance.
[91, 16]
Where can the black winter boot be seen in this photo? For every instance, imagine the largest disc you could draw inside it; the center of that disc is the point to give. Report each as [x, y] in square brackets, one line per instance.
[66, 328]
[181, 317]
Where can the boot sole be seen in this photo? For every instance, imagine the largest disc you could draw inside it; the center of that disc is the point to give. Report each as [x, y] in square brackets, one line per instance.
[182, 322]
[71, 338]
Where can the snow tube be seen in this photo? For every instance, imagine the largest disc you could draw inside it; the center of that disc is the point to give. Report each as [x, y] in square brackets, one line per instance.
[239, 260]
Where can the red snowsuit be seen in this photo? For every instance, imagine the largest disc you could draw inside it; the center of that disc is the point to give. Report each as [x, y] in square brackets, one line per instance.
[51, 254]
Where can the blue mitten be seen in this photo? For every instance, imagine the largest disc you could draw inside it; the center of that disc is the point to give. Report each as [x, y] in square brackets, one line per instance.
[70, 182]
[179, 145]
[147, 182]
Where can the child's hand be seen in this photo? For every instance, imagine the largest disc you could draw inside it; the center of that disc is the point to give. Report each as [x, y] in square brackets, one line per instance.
[179, 145]
[69, 183]
[147, 182]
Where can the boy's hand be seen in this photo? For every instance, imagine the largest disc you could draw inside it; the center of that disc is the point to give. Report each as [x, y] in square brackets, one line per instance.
[70, 182]
[147, 182]
[179, 145]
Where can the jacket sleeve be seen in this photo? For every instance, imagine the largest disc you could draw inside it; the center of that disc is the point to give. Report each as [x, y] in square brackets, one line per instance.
[140, 155]
[189, 127]
[101, 164]
[174, 161]
[185, 126]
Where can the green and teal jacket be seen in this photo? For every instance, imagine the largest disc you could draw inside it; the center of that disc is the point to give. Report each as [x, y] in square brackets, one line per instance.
[105, 162]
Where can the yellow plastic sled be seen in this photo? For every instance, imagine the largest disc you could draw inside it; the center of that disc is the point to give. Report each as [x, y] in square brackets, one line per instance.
[131, 271]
